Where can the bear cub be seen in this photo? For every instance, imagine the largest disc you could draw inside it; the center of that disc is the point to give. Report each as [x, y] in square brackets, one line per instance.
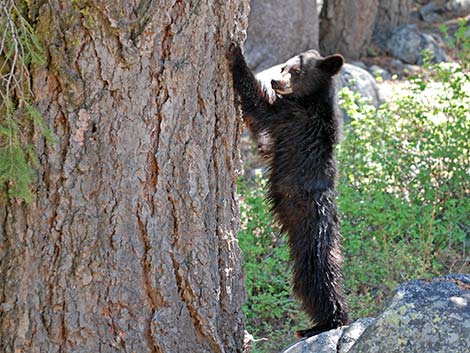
[303, 126]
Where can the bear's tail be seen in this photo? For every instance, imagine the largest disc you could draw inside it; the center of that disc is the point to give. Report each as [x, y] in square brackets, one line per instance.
[317, 265]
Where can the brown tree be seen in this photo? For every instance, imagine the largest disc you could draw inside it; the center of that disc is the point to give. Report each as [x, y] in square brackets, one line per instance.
[392, 13]
[130, 242]
[280, 29]
[346, 26]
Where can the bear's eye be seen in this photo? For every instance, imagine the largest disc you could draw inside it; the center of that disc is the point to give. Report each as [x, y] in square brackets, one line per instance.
[295, 71]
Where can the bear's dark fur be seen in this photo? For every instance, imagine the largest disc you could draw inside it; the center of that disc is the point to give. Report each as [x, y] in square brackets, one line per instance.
[303, 126]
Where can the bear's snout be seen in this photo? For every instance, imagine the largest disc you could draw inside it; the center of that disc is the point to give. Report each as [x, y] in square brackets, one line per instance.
[281, 87]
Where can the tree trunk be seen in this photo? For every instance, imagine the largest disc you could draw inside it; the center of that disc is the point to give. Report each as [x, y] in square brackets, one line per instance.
[391, 14]
[280, 29]
[130, 244]
[346, 27]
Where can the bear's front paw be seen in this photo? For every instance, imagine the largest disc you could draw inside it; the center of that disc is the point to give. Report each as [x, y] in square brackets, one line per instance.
[234, 53]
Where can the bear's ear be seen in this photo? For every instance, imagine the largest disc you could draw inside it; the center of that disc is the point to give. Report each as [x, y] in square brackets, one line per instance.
[331, 64]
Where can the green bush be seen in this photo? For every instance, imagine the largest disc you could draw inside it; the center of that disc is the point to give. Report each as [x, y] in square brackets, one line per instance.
[459, 41]
[405, 186]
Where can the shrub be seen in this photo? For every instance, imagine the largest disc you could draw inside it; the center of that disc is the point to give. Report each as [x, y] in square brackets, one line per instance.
[404, 186]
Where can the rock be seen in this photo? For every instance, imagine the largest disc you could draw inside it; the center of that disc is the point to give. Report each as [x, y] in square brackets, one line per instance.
[360, 81]
[359, 64]
[415, 16]
[431, 17]
[351, 333]
[403, 70]
[334, 341]
[397, 64]
[377, 72]
[460, 6]
[411, 69]
[407, 44]
[430, 12]
[424, 316]
[323, 343]
[279, 30]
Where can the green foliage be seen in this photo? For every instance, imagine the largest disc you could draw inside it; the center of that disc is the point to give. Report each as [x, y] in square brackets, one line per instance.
[19, 50]
[404, 187]
[460, 41]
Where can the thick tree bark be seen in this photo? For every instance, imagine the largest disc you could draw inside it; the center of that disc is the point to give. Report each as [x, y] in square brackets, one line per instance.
[392, 13]
[130, 244]
[346, 26]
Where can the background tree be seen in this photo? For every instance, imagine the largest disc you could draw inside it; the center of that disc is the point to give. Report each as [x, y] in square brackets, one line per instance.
[280, 29]
[391, 14]
[346, 27]
[129, 244]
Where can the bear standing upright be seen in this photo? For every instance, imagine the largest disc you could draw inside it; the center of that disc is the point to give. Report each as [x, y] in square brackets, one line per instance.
[303, 126]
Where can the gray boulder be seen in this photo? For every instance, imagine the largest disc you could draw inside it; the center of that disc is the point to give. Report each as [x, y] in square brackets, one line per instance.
[278, 30]
[407, 44]
[432, 11]
[401, 69]
[351, 333]
[459, 6]
[359, 64]
[424, 316]
[333, 341]
[397, 65]
[360, 81]
[322, 343]
[427, 316]
[377, 71]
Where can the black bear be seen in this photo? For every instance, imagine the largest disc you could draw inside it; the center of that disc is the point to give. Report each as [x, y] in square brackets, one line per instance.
[303, 126]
